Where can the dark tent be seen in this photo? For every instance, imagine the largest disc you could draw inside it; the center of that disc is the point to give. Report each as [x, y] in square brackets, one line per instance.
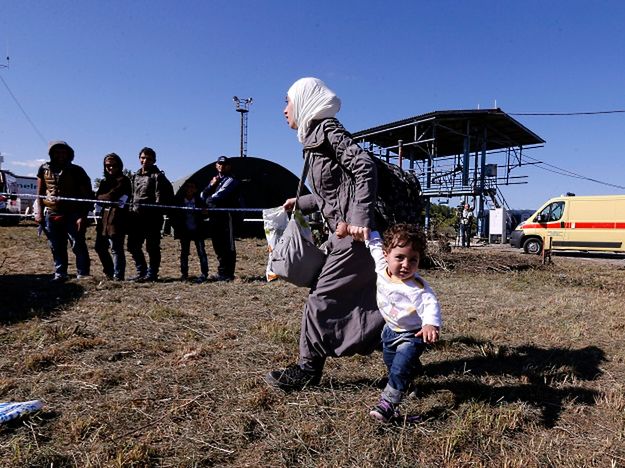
[264, 184]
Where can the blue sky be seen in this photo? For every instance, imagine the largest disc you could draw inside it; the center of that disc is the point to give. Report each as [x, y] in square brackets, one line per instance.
[119, 75]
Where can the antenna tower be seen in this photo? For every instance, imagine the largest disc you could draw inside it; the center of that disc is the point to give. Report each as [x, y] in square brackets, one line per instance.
[243, 107]
[2, 65]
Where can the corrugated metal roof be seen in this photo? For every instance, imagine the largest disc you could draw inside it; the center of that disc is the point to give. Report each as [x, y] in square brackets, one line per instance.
[450, 127]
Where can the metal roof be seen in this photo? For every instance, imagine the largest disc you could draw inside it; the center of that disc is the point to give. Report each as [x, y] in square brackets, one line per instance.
[448, 130]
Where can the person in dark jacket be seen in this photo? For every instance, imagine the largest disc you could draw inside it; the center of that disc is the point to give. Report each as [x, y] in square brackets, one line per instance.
[341, 316]
[111, 228]
[223, 192]
[150, 188]
[189, 225]
[64, 220]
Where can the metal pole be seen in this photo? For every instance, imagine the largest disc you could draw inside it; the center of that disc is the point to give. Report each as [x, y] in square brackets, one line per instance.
[242, 124]
[242, 107]
[466, 156]
[481, 214]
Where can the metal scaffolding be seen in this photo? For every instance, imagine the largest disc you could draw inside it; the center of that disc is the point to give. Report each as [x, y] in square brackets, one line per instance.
[456, 153]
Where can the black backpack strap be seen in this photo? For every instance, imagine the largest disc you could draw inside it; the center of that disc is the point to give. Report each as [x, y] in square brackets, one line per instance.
[301, 180]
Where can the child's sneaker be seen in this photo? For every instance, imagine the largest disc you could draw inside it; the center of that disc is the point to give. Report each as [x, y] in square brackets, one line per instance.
[384, 411]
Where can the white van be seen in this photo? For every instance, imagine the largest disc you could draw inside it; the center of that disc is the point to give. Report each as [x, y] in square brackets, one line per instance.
[588, 223]
[9, 201]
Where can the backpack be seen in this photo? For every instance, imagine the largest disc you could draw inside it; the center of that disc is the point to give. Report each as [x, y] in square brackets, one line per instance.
[399, 197]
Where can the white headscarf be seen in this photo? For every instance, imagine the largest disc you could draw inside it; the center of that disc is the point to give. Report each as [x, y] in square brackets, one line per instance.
[312, 100]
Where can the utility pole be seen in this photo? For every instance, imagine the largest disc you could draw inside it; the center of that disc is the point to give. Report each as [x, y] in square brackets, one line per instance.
[243, 107]
[2, 65]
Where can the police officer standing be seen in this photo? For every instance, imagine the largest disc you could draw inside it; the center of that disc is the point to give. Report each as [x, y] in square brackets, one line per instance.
[223, 192]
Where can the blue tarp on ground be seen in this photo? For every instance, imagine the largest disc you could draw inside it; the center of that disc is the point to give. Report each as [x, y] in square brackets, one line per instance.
[12, 410]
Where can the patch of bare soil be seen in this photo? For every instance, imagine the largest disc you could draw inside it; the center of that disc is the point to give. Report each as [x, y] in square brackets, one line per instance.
[478, 259]
[529, 371]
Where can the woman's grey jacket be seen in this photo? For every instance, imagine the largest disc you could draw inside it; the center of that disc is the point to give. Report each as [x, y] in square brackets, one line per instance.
[340, 316]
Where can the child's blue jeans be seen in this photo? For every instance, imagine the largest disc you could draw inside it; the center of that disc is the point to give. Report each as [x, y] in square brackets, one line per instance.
[401, 352]
[185, 250]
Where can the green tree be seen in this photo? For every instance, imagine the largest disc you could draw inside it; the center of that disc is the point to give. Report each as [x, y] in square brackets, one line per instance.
[443, 220]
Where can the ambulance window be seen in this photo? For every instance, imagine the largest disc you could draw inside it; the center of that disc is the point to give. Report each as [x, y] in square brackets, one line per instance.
[552, 212]
[557, 211]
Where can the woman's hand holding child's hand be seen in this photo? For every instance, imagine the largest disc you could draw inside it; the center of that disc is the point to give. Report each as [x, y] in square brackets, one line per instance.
[359, 233]
[341, 229]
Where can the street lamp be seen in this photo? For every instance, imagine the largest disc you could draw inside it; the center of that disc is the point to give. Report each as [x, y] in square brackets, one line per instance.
[243, 107]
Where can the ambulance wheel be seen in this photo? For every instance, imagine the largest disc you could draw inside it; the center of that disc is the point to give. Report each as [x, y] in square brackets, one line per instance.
[533, 246]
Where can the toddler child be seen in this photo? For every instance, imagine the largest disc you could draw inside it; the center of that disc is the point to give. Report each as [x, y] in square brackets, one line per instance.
[189, 225]
[409, 307]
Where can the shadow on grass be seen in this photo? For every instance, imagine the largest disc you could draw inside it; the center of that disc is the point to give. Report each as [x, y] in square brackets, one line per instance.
[547, 376]
[548, 399]
[253, 278]
[37, 418]
[601, 255]
[27, 296]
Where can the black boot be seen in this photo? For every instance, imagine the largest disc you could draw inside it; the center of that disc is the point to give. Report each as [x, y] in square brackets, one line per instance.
[293, 378]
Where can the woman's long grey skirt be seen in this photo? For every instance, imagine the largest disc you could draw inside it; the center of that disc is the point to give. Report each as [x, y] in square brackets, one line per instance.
[341, 315]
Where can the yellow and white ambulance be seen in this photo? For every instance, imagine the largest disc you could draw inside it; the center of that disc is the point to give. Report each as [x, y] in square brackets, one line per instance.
[585, 223]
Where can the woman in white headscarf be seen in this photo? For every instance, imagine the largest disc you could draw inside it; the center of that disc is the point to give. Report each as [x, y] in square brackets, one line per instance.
[341, 316]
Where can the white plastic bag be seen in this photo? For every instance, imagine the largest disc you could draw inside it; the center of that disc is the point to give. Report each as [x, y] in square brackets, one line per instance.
[275, 221]
[293, 255]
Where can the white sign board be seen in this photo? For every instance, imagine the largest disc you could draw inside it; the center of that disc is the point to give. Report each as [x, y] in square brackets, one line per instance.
[497, 221]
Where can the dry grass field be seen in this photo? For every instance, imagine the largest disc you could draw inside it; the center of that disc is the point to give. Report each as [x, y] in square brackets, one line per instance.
[530, 370]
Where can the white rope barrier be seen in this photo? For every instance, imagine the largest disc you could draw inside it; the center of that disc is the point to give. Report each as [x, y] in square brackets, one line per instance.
[140, 205]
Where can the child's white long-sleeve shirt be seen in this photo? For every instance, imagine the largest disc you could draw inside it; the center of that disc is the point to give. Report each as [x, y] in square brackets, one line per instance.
[405, 305]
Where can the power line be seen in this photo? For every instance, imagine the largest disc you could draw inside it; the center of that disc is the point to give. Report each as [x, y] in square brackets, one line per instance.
[567, 173]
[564, 171]
[30, 121]
[619, 111]
[559, 170]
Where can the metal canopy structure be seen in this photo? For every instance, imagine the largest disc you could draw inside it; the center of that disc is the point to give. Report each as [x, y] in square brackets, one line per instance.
[456, 153]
